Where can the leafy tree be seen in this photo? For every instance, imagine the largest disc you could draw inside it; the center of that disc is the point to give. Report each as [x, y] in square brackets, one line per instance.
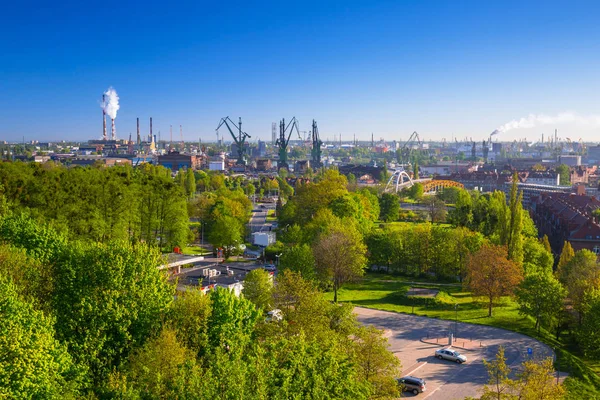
[190, 182]
[436, 209]
[515, 224]
[258, 285]
[377, 364]
[580, 275]
[536, 382]
[588, 335]
[564, 174]
[189, 316]
[117, 293]
[462, 215]
[339, 257]
[299, 258]
[566, 254]
[226, 233]
[155, 369]
[416, 191]
[491, 274]
[546, 244]
[536, 259]
[389, 206]
[499, 384]
[232, 321]
[541, 296]
[33, 364]
[416, 170]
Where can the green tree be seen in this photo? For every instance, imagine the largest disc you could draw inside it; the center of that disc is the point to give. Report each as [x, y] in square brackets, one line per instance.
[389, 207]
[190, 182]
[580, 275]
[117, 293]
[536, 259]
[340, 256]
[232, 321]
[541, 296]
[416, 191]
[299, 258]
[515, 224]
[564, 174]
[567, 253]
[416, 170]
[258, 285]
[33, 364]
[536, 381]
[189, 316]
[499, 385]
[546, 244]
[376, 363]
[588, 335]
[462, 215]
[436, 209]
[226, 233]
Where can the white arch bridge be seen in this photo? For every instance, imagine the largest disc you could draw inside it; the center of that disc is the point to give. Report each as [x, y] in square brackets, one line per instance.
[401, 180]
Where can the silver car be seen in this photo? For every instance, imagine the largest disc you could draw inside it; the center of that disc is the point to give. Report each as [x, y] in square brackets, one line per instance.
[450, 354]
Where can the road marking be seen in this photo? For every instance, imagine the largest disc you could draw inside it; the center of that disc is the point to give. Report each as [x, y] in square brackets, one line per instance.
[408, 373]
[438, 388]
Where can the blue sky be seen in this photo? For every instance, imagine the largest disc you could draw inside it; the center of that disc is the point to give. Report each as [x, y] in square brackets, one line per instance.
[442, 68]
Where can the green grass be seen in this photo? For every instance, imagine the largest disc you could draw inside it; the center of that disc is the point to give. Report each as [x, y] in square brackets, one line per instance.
[195, 251]
[271, 216]
[388, 293]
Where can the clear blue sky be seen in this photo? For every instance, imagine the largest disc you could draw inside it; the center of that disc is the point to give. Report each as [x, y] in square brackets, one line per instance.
[387, 67]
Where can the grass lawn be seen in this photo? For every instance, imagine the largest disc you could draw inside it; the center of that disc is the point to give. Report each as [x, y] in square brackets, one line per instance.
[388, 292]
[271, 216]
[195, 251]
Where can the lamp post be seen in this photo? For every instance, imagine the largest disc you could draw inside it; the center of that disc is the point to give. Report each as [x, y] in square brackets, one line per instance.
[455, 319]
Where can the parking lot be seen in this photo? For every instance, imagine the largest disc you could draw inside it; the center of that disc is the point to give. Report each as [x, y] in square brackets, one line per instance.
[446, 379]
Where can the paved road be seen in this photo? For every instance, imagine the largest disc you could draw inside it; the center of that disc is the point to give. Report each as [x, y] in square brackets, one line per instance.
[258, 220]
[445, 379]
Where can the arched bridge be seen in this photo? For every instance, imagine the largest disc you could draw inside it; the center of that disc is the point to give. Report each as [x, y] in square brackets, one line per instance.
[437, 185]
[400, 180]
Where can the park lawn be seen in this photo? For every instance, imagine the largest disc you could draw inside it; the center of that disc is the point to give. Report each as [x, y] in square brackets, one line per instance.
[387, 292]
[195, 251]
[271, 216]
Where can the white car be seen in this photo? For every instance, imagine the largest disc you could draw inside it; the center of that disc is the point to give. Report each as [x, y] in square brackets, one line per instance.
[450, 354]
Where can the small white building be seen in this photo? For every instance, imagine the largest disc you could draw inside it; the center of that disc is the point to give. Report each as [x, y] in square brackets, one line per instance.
[263, 238]
[216, 165]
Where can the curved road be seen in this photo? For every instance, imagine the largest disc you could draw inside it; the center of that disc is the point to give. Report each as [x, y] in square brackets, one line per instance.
[445, 379]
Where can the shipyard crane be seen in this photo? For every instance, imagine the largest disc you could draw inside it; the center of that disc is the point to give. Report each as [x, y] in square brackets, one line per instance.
[285, 133]
[316, 146]
[406, 149]
[239, 139]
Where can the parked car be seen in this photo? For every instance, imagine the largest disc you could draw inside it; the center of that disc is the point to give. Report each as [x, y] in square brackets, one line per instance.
[270, 268]
[450, 354]
[411, 384]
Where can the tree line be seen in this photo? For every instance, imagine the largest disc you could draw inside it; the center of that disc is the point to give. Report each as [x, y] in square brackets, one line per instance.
[98, 320]
[142, 204]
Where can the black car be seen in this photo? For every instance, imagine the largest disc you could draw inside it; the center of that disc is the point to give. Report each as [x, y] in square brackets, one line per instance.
[412, 384]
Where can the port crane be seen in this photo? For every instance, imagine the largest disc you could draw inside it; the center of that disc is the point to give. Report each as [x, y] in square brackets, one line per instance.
[315, 152]
[284, 139]
[405, 151]
[239, 139]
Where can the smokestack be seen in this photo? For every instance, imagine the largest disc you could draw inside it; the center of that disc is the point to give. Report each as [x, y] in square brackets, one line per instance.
[103, 118]
[151, 130]
[113, 133]
[138, 139]
[171, 142]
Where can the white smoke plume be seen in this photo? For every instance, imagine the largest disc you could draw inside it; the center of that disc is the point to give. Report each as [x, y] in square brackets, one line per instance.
[110, 105]
[534, 120]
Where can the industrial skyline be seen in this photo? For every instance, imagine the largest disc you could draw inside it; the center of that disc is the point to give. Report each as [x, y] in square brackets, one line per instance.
[384, 68]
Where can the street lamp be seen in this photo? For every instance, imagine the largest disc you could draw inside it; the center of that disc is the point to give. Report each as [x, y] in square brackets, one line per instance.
[277, 257]
[455, 319]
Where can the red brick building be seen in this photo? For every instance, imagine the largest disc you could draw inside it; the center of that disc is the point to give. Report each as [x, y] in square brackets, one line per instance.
[567, 217]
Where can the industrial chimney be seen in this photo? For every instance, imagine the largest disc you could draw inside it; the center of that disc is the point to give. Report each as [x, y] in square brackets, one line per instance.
[138, 140]
[151, 137]
[113, 133]
[103, 118]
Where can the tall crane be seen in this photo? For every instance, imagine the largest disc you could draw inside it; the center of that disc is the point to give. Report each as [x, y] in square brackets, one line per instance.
[316, 146]
[239, 140]
[284, 139]
[406, 149]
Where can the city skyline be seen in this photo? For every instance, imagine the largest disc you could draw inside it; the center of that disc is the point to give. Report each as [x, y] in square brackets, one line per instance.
[386, 68]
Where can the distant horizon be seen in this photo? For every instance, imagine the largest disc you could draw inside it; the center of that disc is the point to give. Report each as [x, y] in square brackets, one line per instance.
[389, 68]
